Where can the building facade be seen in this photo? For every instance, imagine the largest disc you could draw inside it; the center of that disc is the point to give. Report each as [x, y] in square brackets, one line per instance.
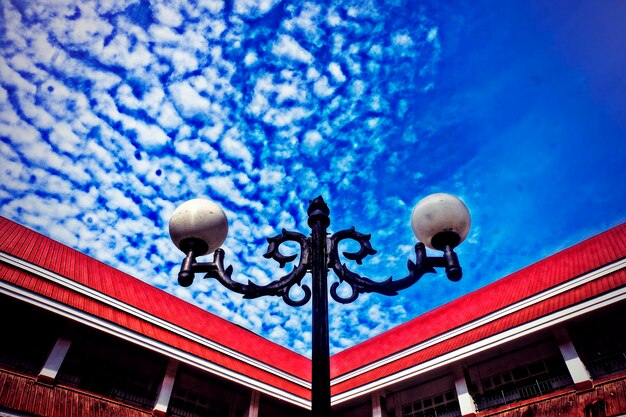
[79, 338]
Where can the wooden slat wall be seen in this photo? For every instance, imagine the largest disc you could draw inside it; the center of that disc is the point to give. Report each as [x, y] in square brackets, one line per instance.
[570, 404]
[23, 394]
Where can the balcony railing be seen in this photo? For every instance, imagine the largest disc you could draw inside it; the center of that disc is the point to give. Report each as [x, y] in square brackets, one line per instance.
[607, 365]
[538, 388]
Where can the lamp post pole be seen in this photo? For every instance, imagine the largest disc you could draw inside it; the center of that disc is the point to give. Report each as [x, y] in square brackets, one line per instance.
[199, 227]
[320, 356]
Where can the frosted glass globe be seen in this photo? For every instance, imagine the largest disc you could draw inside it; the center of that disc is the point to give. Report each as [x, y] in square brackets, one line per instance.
[439, 213]
[199, 219]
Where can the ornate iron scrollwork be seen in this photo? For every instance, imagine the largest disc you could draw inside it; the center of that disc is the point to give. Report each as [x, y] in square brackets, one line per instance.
[359, 284]
[283, 285]
[280, 287]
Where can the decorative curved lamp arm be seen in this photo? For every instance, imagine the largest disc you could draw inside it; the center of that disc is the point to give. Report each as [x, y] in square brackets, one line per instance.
[279, 287]
[440, 221]
[358, 284]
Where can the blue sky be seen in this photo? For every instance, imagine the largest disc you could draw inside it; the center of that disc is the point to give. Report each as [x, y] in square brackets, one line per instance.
[114, 113]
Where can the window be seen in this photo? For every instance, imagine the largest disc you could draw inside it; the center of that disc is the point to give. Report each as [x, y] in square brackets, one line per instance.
[442, 405]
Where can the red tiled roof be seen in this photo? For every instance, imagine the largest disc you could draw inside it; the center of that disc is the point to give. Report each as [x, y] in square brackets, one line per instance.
[562, 267]
[577, 260]
[44, 252]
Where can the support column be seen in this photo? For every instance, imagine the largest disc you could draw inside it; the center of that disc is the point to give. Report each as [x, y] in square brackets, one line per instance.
[51, 368]
[466, 402]
[253, 407]
[165, 392]
[377, 410]
[575, 366]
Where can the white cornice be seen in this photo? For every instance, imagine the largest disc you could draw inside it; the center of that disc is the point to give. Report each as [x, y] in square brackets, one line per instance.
[103, 298]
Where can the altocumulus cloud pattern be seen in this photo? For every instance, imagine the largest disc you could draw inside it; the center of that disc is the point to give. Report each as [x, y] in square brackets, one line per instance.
[113, 113]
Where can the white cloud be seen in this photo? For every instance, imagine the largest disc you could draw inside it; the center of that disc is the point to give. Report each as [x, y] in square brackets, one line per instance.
[250, 58]
[225, 186]
[376, 51]
[357, 88]
[168, 117]
[288, 47]
[285, 117]
[312, 141]
[253, 8]
[64, 138]
[401, 40]
[306, 21]
[120, 52]
[164, 35]
[167, 15]
[312, 74]
[150, 136]
[212, 133]
[333, 18]
[287, 92]
[184, 61]
[322, 88]
[234, 148]
[214, 6]
[335, 71]
[432, 35]
[271, 176]
[188, 101]
[116, 200]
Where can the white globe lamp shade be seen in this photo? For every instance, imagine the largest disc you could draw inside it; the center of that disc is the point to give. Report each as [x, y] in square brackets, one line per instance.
[440, 219]
[200, 222]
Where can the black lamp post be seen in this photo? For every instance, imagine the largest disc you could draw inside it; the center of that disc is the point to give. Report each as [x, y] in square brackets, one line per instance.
[199, 227]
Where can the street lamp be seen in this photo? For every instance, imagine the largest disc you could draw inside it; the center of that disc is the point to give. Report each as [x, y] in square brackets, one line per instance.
[199, 227]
